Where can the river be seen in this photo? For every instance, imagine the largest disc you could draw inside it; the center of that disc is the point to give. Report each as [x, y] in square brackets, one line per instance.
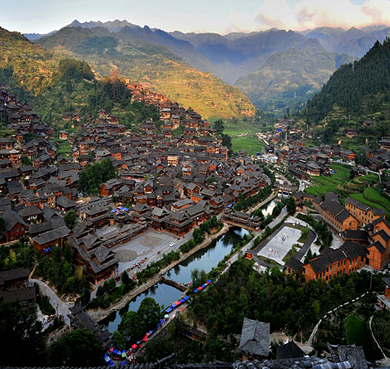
[165, 295]
[269, 207]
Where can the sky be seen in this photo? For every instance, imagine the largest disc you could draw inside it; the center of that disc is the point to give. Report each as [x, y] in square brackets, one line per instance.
[221, 16]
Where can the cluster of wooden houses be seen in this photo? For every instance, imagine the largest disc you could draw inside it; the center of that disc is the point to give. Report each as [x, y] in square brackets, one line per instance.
[168, 184]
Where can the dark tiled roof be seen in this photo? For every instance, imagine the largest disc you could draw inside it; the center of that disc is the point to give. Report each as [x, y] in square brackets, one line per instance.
[10, 275]
[357, 203]
[11, 219]
[255, 337]
[52, 235]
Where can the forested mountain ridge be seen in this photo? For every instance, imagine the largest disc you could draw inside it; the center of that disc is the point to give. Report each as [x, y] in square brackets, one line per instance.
[360, 88]
[153, 65]
[33, 66]
[55, 85]
[288, 78]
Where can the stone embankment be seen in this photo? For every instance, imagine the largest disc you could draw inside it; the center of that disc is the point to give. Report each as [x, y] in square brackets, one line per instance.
[99, 314]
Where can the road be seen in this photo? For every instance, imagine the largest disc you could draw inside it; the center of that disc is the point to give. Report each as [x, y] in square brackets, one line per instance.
[62, 308]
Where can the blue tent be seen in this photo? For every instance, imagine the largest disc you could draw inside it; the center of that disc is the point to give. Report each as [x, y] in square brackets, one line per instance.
[209, 281]
[110, 363]
[204, 285]
[169, 310]
[125, 209]
[186, 298]
[106, 358]
[196, 291]
[116, 352]
[124, 362]
[182, 300]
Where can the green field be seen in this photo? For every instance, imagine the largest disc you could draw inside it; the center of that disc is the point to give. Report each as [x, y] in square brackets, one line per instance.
[357, 331]
[249, 143]
[64, 147]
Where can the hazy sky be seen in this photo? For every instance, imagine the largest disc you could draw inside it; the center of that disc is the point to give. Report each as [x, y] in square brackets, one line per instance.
[220, 16]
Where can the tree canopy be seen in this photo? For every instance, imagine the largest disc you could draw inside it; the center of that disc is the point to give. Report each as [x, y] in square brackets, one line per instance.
[353, 86]
[94, 175]
[21, 340]
[77, 348]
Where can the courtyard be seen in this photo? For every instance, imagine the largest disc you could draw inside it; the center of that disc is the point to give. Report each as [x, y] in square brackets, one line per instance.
[150, 245]
[280, 244]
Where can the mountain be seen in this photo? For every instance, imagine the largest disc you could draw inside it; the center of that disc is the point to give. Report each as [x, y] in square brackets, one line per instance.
[151, 64]
[355, 42]
[158, 37]
[289, 77]
[357, 89]
[31, 64]
[238, 54]
[112, 26]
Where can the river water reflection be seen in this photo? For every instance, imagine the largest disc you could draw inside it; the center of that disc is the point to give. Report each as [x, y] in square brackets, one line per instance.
[163, 294]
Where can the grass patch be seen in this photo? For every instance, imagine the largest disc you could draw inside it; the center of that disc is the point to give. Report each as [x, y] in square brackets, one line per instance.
[357, 331]
[291, 254]
[249, 143]
[268, 260]
[64, 147]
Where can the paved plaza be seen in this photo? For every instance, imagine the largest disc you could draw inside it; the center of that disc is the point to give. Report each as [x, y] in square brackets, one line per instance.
[279, 245]
[150, 245]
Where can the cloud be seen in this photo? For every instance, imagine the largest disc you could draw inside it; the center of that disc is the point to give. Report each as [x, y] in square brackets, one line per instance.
[276, 13]
[240, 21]
[319, 13]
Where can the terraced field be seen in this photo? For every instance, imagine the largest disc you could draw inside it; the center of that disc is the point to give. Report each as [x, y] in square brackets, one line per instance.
[360, 188]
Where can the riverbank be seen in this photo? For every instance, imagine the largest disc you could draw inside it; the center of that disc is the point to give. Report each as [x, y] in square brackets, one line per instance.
[100, 314]
[267, 200]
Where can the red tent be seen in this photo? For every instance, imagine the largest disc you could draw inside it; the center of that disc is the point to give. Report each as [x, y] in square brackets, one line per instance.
[111, 349]
[134, 346]
[145, 338]
[177, 303]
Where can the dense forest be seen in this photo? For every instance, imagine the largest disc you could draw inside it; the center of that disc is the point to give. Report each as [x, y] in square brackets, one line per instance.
[362, 87]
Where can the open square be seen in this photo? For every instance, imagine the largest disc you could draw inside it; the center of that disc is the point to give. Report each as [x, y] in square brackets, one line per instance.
[150, 245]
[280, 244]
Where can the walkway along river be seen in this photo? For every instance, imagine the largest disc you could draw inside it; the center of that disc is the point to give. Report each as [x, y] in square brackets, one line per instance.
[165, 295]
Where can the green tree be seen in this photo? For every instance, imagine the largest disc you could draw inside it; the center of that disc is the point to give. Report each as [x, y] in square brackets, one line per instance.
[219, 126]
[2, 225]
[158, 348]
[21, 340]
[291, 205]
[149, 311]
[118, 341]
[70, 218]
[77, 348]
[132, 326]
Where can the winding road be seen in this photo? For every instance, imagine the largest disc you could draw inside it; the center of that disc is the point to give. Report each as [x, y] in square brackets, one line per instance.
[62, 308]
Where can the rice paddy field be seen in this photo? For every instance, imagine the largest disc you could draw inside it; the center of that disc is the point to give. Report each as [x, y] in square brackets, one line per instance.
[360, 188]
[249, 143]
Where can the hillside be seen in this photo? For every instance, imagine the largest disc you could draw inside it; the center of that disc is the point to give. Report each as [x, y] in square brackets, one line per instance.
[32, 65]
[361, 88]
[288, 78]
[53, 85]
[153, 65]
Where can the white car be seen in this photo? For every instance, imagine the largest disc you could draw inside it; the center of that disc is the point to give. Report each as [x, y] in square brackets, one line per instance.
[172, 244]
